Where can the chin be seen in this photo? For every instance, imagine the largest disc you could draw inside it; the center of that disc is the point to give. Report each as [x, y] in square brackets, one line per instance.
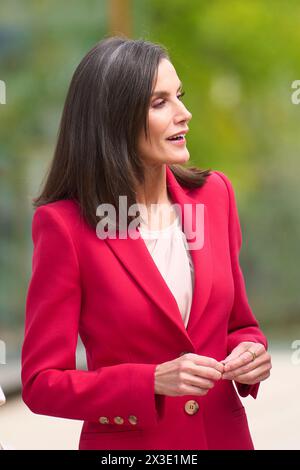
[183, 158]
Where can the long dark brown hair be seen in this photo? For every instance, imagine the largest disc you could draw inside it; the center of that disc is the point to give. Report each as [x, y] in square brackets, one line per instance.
[106, 108]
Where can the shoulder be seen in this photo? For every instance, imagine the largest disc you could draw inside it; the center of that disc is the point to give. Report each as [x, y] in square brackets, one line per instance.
[63, 216]
[65, 208]
[219, 180]
[217, 187]
[55, 233]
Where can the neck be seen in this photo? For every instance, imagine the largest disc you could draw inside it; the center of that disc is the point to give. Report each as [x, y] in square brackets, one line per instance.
[154, 189]
[154, 198]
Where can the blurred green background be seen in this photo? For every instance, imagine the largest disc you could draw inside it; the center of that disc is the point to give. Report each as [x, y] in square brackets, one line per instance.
[237, 61]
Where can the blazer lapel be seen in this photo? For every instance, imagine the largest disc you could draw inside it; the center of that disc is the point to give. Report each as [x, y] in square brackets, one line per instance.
[201, 256]
[134, 255]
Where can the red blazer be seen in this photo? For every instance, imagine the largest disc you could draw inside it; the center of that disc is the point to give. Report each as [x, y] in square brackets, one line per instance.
[111, 293]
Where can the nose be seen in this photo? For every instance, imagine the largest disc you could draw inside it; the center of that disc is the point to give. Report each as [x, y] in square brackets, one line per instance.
[183, 114]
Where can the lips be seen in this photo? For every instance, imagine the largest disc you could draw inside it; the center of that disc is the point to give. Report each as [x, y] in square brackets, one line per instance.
[178, 142]
[179, 135]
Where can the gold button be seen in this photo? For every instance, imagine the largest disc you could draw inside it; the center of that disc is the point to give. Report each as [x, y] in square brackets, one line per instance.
[118, 420]
[132, 419]
[104, 420]
[191, 407]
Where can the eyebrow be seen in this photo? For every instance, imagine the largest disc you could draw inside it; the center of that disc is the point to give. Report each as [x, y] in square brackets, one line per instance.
[165, 93]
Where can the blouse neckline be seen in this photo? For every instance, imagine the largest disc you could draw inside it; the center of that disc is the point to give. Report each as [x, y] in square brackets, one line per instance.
[143, 228]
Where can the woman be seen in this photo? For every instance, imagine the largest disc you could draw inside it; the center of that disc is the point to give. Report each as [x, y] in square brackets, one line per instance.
[165, 320]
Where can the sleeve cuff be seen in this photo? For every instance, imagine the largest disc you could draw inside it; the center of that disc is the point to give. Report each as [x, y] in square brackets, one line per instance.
[244, 389]
[149, 406]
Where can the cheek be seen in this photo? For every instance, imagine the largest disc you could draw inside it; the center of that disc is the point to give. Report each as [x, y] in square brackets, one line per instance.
[158, 126]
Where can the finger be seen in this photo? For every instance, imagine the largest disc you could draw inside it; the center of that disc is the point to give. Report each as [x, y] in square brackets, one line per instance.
[236, 352]
[252, 376]
[263, 377]
[205, 372]
[245, 358]
[236, 363]
[190, 366]
[259, 361]
[208, 361]
[197, 381]
[185, 389]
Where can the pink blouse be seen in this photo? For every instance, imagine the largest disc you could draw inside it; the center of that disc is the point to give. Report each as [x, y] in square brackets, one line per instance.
[169, 250]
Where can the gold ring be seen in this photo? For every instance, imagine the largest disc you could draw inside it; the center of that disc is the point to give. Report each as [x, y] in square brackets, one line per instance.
[253, 354]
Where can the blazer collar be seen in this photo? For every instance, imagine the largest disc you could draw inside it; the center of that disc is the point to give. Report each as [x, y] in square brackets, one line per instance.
[134, 255]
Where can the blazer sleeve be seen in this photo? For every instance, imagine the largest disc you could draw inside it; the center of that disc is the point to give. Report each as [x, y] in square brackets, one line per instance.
[51, 385]
[243, 326]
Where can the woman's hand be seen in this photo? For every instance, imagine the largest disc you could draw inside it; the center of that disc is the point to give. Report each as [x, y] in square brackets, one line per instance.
[189, 374]
[248, 363]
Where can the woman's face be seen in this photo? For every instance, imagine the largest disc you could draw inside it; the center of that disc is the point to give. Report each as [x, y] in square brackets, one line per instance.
[167, 116]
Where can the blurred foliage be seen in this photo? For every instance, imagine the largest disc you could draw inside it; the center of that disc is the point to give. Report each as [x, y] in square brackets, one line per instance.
[41, 43]
[237, 60]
